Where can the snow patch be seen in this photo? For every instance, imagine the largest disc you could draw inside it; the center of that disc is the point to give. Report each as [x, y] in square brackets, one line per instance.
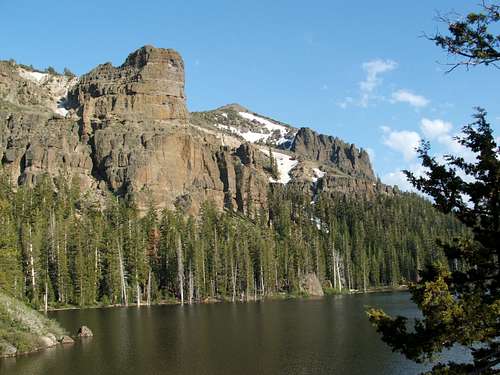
[318, 174]
[319, 224]
[36, 77]
[285, 164]
[270, 126]
[57, 87]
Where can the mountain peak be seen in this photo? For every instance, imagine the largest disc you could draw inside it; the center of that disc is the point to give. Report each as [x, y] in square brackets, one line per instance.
[235, 107]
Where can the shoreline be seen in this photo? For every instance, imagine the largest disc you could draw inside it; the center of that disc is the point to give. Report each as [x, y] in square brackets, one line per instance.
[211, 300]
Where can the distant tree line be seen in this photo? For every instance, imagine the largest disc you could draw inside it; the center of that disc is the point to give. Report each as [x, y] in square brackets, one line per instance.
[56, 249]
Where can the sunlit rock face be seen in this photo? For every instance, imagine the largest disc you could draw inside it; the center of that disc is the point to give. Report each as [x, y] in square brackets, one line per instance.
[147, 87]
[324, 148]
[126, 130]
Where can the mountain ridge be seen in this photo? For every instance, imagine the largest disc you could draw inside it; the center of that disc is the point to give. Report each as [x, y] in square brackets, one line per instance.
[126, 130]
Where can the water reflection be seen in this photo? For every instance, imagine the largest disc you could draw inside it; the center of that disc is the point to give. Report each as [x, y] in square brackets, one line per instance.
[324, 336]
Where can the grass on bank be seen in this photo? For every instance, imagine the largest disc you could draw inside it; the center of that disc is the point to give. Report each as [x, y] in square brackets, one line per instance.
[22, 327]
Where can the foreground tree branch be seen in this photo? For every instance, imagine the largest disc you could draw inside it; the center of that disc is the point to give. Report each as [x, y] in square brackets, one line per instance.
[460, 301]
[470, 38]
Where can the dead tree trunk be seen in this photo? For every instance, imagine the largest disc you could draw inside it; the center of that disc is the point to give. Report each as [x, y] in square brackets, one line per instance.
[180, 268]
[122, 277]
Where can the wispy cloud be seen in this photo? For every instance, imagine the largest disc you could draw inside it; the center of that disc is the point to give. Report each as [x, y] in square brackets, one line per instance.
[344, 103]
[373, 70]
[406, 96]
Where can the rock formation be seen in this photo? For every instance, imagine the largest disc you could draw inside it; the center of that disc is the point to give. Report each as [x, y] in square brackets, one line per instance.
[126, 130]
[324, 148]
[148, 87]
[85, 331]
[64, 339]
[310, 285]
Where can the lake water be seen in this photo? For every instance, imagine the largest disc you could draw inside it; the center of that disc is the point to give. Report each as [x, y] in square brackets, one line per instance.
[310, 336]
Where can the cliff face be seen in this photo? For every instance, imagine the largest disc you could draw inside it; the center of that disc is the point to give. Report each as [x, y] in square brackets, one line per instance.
[123, 130]
[126, 130]
[324, 148]
[148, 87]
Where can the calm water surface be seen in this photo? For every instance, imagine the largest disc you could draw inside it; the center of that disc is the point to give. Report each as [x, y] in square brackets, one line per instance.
[323, 336]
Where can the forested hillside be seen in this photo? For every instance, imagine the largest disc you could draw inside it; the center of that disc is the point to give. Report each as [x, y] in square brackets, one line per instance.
[58, 248]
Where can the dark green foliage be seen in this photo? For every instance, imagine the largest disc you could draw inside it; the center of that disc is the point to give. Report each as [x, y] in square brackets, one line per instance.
[54, 242]
[68, 73]
[51, 70]
[471, 39]
[273, 165]
[459, 297]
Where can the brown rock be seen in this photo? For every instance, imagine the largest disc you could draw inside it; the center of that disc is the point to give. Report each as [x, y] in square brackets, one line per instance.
[310, 284]
[7, 350]
[66, 340]
[47, 341]
[324, 148]
[149, 86]
[85, 331]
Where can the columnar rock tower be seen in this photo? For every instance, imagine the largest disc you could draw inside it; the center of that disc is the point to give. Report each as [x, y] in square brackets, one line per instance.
[148, 87]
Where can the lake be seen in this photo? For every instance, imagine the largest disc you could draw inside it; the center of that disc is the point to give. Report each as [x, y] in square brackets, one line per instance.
[303, 336]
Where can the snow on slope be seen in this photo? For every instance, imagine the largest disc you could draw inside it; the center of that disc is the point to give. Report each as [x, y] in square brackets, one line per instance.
[264, 131]
[285, 164]
[270, 126]
[36, 77]
[56, 85]
[318, 174]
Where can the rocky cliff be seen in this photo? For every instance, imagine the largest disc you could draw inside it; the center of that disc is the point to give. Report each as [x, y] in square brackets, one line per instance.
[324, 148]
[126, 131]
[147, 88]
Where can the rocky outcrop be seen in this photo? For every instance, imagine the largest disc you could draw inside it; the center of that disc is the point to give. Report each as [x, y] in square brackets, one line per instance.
[309, 284]
[324, 148]
[42, 91]
[47, 341]
[126, 130]
[65, 340]
[353, 187]
[7, 350]
[147, 88]
[35, 143]
[85, 331]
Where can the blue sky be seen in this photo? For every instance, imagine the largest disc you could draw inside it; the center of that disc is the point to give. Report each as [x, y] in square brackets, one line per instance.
[358, 70]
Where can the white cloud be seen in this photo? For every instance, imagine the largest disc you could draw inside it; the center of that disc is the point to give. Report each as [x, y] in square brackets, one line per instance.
[404, 142]
[373, 70]
[397, 178]
[409, 97]
[435, 129]
[385, 129]
[441, 131]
